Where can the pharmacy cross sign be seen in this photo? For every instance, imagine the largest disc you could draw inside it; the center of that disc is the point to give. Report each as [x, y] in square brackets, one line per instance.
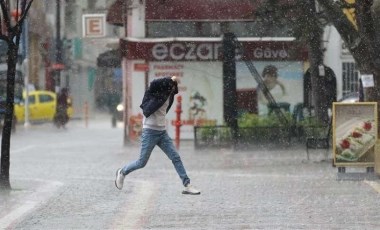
[94, 25]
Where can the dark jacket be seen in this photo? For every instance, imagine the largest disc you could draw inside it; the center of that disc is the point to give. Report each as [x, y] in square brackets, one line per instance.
[158, 92]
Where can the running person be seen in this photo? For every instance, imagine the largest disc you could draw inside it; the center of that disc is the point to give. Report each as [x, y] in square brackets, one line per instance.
[158, 99]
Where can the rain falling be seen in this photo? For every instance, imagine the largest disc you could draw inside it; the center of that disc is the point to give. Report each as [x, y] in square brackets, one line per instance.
[203, 114]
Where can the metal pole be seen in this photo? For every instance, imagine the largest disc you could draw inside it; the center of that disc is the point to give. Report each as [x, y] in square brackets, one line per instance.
[26, 84]
[229, 85]
[178, 121]
[58, 47]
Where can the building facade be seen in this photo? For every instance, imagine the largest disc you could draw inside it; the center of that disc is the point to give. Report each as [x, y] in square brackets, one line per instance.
[338, 58]
[49, 24]
[166, 38]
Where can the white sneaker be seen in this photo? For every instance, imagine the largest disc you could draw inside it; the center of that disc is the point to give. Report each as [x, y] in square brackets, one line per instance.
[189, 189]
[119, 181]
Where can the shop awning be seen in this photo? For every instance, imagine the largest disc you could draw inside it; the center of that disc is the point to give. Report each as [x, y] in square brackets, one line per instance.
[210, 49]
[196, 10]
[109, 59]
[199, 10]
[183, 10]
[115, 13]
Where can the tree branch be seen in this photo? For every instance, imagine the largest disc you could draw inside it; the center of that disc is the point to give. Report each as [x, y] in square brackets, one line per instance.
[6, 16]
[24, 12]
[346, 30]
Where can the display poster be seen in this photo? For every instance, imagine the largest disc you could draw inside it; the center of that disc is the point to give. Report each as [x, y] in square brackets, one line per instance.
[354, 133]
[200, 85]
[284, 79]
[201, 89]
[198, 65]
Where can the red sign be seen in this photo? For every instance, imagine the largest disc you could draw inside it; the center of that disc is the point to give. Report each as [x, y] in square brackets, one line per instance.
[94, 25]
[212, 50]
[58, 66]
[142, 67]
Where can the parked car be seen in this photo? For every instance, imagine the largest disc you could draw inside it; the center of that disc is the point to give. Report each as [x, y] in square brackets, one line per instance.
[42, 106]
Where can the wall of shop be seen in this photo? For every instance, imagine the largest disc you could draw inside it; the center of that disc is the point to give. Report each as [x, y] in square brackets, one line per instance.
[199, 68]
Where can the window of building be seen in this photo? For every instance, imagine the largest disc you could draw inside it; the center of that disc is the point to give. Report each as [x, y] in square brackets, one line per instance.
[259, 29]
[350, 77]
[171, 29]
[216, 29]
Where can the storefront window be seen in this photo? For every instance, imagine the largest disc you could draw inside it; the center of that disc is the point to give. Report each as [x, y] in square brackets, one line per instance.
[171, 29]
[216, 29]
[259, 29]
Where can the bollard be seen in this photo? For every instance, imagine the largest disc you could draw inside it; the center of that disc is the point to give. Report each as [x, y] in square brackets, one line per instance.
[135, 127]
[86, 114]
[178, 111]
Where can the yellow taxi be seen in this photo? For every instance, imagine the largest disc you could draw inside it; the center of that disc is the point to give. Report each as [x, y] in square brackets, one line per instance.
[42, 106]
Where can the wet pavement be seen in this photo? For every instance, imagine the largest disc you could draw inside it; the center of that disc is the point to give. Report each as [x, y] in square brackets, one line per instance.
[64, 179]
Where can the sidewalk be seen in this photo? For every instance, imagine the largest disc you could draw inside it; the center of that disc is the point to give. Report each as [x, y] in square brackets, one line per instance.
[29, 193]
[253, 189]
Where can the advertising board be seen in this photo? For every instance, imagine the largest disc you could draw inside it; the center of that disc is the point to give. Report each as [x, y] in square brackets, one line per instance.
[354, 134]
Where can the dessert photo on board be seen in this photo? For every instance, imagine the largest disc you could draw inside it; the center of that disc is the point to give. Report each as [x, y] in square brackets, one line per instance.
[354, 139]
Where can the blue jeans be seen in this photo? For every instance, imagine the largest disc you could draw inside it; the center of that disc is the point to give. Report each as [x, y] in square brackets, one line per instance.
[149, 139]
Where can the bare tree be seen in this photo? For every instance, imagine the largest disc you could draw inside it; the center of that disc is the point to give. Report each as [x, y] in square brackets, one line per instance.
[10, 33]
[312, 32]
[304, 22]
[362, 38]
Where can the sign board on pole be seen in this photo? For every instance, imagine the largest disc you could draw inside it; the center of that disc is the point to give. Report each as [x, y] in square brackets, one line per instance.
[141, 67]
[367, 80]
[58, 66]
[94, 25]
[354, 133]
